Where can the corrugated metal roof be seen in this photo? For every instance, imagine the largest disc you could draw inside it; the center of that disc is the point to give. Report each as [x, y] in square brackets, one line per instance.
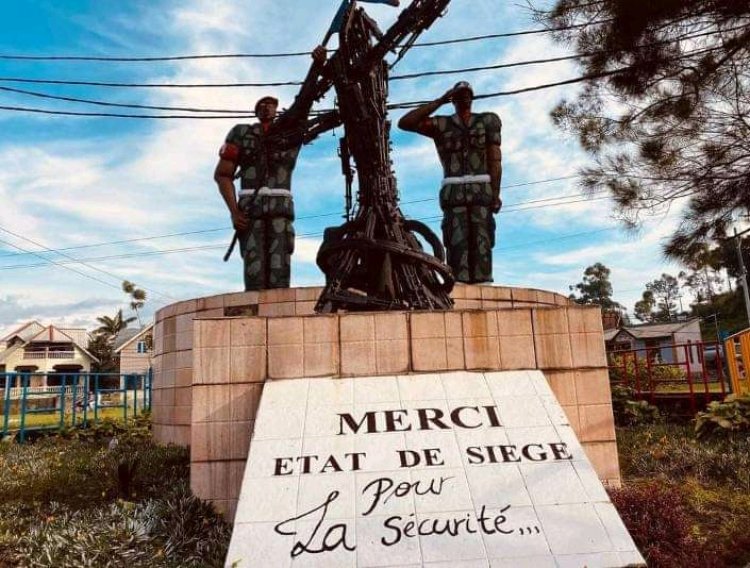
[650, 331]
[79, 335]
[25, 332]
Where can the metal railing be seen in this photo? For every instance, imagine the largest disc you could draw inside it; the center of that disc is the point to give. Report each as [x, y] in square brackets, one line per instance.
[49, 355]
[691, 377]
[738, 358]
[77, 400]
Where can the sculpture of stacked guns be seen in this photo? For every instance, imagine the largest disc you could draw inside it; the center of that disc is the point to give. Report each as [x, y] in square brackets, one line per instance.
[375, 260]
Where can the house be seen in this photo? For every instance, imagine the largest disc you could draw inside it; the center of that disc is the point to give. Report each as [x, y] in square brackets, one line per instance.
[664, 342]
[135, 347]
[44, 351]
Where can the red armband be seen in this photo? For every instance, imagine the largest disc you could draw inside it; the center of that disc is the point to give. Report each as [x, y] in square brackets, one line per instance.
[229, 152]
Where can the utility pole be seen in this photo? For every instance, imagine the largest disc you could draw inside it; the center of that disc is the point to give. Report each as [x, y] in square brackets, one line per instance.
[743, 274]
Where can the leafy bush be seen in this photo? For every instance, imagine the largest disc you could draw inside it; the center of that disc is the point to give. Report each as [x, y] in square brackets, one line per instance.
[659, 521]
[724, 418]
[631, 370]
[176, 530]
[631, 412]
[59, 503]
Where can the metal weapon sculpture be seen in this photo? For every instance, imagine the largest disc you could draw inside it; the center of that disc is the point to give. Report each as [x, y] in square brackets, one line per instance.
[375, 261]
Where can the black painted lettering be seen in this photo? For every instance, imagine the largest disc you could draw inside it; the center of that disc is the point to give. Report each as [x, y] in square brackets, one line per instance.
[509, 454]
[332, 463]
[389, 522]
[382, 486]
[306, 462]
[501, 519]
[283, 467]
[431, 457]
[483, 518]
[492, 415]
[354, 426]
[458, 421]
[475, 455]
[356, 464]
[541, 455]
[394, 419]
[408, 458]
[491, 454]
[425, 419]
[560, 451]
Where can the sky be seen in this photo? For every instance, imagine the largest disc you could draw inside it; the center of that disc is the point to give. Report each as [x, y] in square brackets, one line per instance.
[135, 198]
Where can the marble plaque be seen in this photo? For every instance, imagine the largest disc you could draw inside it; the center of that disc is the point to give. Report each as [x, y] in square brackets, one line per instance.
[453, 470]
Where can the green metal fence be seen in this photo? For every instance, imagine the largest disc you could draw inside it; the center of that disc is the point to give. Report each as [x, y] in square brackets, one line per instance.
[33, 402]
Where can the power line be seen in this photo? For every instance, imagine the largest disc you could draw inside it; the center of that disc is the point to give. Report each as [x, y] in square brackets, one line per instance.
[242, 113]
[4, 230]
[74, 260]
[221, 247]
[303, 218]
[119, 105]
[47, 262]
[394, 106]
[85, 58]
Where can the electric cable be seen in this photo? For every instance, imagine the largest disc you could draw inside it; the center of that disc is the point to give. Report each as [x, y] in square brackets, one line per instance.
[18, 236]
[302, 236]
[302, 218]
[471, 39]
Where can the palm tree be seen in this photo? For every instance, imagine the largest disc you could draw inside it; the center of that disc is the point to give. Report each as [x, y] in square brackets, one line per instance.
[137, 298]
[110, 327]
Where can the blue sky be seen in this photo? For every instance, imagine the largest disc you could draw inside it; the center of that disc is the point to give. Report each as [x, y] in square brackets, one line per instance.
[71, 182]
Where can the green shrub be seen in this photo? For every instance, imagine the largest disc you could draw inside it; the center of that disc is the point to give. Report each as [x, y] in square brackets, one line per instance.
[631, 412]
[175, 530]
[631, 370]
[59, 503]
[724, 418]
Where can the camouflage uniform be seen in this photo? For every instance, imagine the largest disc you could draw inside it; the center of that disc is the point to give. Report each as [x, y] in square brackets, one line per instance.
[468, 222]
[268, 244]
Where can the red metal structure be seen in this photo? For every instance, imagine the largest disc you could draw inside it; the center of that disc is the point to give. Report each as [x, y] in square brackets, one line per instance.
[682, 388]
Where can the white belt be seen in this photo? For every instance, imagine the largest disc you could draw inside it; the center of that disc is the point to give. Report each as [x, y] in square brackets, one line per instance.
[480, 178]
[266, 191]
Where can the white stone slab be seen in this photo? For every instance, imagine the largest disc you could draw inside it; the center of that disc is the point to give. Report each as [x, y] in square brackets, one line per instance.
[451, 469]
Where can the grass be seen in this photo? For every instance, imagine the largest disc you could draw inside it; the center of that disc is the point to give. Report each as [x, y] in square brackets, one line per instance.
[710, 480]
[52, 419]
[66, 501]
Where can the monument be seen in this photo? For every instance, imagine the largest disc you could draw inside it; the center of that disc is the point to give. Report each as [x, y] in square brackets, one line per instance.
[391, 418]
[455, 469]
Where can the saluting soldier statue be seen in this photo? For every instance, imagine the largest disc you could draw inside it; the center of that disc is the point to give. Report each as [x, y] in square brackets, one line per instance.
[469, 148]
[264, 155]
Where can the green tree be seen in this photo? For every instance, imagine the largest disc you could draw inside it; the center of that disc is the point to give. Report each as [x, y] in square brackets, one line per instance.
[110, 326]
[596, 288]
[644, 308]
[664, 108]
[665, 291]
[137, 298]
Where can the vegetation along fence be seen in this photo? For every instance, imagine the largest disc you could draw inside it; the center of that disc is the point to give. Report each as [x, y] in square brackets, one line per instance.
[33, 402]
[738, 355]
[679, 379]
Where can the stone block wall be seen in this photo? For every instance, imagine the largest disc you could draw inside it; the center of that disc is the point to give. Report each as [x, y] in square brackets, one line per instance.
[233, 357]
[173, 338]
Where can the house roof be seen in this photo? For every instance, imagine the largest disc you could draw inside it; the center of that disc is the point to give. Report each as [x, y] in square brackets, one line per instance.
[25, 332]
[649, 331]
[56, 335]
[128, 336]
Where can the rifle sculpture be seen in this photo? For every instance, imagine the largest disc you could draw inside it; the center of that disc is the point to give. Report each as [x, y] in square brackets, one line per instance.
[375, 261]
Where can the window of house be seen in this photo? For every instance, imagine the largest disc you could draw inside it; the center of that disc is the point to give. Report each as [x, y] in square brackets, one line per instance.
[141, 347]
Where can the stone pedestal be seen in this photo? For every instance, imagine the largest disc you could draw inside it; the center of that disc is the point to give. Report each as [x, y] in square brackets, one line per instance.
[213, 355]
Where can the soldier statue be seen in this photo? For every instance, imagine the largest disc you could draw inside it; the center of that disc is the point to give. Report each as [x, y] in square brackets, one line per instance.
[469, 148]
[263, 155]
